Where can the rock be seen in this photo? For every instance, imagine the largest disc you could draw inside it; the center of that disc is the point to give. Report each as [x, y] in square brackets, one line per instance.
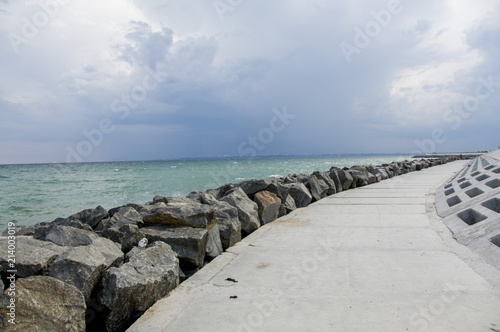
[91, 217]
[136, 207]
[168, 200]
[221, 191]
[69, 236]
[189, 243]
[375, 172]
[83, 267]
[33, 257]
[72, 223]
[125, 215]
[383, 173]
[268, 205]
[127, 236]
[289, 204]
[181, 214]
[274, 188]
[252, 187]
[46, 304]
[228, 222]
[299, 192]
[418, 165]
[202, 197]
[334, 175]
[346, 179]
[361, 176]
[148, 275]
[320, 185]
[122, 227]
[214, 244]
[248, 212]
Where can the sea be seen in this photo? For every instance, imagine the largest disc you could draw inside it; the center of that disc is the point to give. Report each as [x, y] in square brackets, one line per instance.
[32, 193]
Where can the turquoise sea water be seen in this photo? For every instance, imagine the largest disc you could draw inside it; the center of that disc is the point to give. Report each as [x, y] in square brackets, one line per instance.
[43, 192]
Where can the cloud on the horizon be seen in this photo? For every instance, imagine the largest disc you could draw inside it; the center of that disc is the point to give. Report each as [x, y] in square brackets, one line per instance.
[221, 79]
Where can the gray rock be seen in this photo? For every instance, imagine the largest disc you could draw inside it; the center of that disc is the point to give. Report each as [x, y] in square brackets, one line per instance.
[181, 214]
[268, 205]
[122, 227]
[320, 185]
[299, 192]
[168, 200]
[46, 304]
[289, 204]
[91, 217]
[346, 179]
[334, 175]
[83, 267]
[274, 188]
[221, 191]
[214, 244]
[252, 187]
[361, 176]
[127, 236]
[325, 176]
[228, 222]
[69, 236]
[248, 212]
[375, 172]
[189, 243]
[202, 197]
[383, 173]
[148, 275]
[33, 257]
[75, 223]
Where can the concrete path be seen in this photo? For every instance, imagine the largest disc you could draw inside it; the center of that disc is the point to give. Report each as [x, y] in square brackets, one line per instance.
[376, 258]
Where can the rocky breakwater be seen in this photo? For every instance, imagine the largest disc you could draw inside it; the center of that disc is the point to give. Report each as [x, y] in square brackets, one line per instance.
[94, 270]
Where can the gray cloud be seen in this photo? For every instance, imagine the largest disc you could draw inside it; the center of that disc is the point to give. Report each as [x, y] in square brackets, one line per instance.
[222, 78]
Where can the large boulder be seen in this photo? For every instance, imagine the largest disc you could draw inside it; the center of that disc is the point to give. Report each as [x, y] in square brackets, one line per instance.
[91, 217]
[361, 176]
[227, 218]
[269, 206]
[383, 173]
[346, 179]
[189, 243]
[122, 227]
[169, 200]
[274, 188]
[334, 175]
[68, 236]
[33, 257]
[181, 214]
[214, 244]
[84, 266]
[289, 205]
[228, 222]
[148, 275]
[71, 223]
[248, 211]
[320, 185]
[45, 304]
[375, 172]
[252, 187]
[299, 192]
[127, 236]
[202, 197]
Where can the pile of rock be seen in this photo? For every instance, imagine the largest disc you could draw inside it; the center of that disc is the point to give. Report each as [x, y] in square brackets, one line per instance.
[87, 271]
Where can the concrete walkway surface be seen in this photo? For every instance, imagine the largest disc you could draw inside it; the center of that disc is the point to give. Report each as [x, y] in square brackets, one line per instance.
[376, 258]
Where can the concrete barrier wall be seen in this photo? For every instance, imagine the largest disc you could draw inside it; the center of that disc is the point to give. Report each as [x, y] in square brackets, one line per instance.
[470, 204]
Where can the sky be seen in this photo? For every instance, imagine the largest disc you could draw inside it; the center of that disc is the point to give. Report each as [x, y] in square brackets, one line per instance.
[118, 80]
